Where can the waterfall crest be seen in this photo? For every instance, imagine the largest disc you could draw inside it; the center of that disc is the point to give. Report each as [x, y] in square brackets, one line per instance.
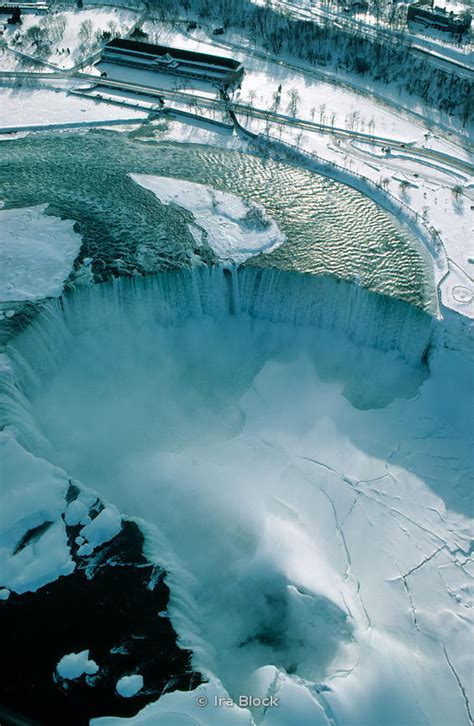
[324, 303]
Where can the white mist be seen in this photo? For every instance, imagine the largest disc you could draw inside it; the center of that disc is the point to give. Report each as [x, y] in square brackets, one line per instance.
[290, 478]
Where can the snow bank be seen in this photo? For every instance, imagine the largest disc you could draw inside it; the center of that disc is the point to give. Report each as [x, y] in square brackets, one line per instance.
[75, 665]
[182, 708]
[128, 686]
[37, 253]
[32, 499]
[235, 228]
[34, 548]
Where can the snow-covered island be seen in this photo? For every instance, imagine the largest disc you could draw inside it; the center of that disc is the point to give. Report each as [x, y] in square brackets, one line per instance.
[233, 228]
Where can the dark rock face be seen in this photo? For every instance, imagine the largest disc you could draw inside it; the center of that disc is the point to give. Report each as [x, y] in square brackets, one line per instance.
[115, 605]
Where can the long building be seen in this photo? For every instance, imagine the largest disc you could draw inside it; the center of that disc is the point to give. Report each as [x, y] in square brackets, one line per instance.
[177, 61]
[437, 17]
[39, 8]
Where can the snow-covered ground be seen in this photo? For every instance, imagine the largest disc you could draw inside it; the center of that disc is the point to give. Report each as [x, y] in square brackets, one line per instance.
[233, 228]
[32, 107]
[357, 94]
[71, 34]
[419, 35]
[37, 252]
[317, 100]
[116, 21]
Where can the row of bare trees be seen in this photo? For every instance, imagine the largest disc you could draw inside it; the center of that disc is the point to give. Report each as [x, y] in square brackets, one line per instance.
[325, 42]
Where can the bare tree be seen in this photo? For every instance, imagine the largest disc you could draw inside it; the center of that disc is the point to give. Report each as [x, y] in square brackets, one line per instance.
[38, 36]
[404, 186]
[458, 202]
[293, 103]
[276, 101]
[85, 32]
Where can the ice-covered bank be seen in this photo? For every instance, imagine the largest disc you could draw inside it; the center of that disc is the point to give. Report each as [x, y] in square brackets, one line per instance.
[33, 505]
[307, 487]
[37, 252]
[233, 228]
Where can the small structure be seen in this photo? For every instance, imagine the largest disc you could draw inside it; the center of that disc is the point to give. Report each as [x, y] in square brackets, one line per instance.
[438, 17]
[355, 6]
[147, 56]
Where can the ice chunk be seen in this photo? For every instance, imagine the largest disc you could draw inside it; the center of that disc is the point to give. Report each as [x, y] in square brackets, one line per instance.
[37, 251]
[128, 686]
[75, 513]
[74, 665]
[105, 526]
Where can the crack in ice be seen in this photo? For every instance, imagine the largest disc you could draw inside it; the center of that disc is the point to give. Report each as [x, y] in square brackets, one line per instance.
[460, 684]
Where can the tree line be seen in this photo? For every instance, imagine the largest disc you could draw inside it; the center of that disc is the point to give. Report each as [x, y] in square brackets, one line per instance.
[322, 42]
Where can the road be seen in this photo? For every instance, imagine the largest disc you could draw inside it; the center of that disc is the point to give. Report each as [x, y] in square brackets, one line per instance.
[199, 101]
[223, 106]
[327, 76]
